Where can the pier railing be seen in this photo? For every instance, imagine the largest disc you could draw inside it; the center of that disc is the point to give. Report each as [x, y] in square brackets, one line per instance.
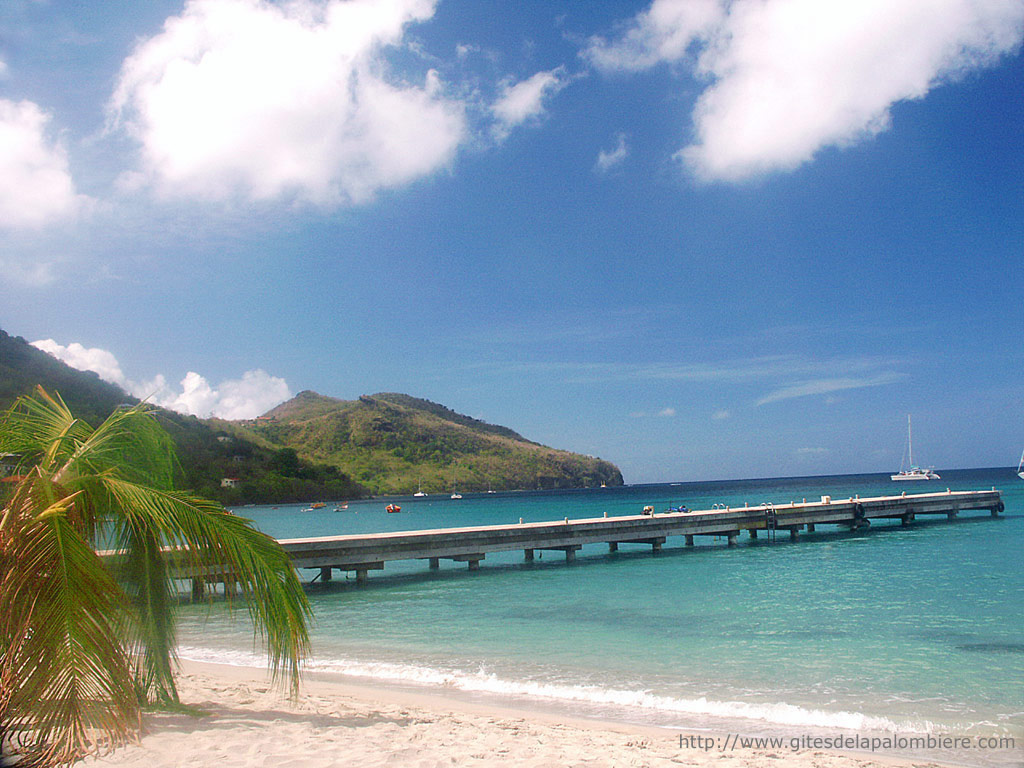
[362, 553]
[365, 552]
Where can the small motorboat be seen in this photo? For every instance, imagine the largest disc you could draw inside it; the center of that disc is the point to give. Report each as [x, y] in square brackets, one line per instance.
[392, 509]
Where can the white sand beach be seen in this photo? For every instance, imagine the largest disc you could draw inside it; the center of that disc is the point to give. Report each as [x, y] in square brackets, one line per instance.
[252, 724]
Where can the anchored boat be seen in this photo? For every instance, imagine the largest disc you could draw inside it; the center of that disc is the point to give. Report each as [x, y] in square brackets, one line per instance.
[914, 472]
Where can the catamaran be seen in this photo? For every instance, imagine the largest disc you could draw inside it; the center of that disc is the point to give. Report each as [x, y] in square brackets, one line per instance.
[455, 483]
[915, 472]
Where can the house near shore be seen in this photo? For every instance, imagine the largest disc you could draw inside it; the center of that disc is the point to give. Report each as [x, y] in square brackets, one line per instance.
[229, 482]
[8, 463]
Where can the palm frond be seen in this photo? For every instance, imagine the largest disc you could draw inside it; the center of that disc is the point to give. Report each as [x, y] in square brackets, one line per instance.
[131, 441]
[74, 686]
[41, 429]
[204, 539]
[77, 636]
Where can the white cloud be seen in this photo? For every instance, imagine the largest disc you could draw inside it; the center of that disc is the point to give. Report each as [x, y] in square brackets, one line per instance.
[35, 184]
[790, 77]
[721, 414]
[609, 159]
[524, 100]
[99, 361]
[778, 367]
[252, 395]
[667, 412]
[812, 451]
[247, 97]
[824, 386]
[664, 32]
[245, 398]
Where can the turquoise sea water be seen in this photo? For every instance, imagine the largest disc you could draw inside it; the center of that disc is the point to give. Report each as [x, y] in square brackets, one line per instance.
[887, 631]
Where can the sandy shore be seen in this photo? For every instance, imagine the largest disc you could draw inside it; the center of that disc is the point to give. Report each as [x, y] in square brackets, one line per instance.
[249, 723]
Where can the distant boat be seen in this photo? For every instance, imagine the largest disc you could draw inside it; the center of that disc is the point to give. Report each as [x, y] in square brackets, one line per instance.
[419, 493]
[392, 509]
[455, 489]
[915, 472]
[341, 508]
[317, 505]
[1020, 467]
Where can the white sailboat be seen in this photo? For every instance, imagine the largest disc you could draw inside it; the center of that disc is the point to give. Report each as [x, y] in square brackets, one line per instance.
[419, 493]
[915, 472]
[455, 485]
[1020, 467]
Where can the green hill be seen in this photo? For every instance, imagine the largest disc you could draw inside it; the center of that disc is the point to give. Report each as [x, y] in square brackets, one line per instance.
[206, 452]
[314, 447]
[394, 443]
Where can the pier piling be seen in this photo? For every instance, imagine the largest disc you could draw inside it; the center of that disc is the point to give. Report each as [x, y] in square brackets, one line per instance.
[362, 553]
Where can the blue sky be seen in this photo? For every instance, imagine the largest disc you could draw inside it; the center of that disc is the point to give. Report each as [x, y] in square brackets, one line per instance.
[699, 238]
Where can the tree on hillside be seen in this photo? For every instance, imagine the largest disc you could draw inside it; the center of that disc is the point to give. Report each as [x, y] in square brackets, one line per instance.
[86, 639]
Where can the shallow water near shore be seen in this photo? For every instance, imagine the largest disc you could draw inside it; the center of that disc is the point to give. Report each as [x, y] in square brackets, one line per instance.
[892, 630]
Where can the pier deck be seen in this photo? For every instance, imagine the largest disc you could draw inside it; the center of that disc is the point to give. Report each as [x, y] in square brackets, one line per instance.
[362, 553]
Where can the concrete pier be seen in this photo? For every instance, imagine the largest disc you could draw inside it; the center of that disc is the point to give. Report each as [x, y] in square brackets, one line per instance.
[470, 544]
[362, 553]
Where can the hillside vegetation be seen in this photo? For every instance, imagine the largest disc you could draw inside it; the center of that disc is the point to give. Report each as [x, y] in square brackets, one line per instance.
[394, 443]
[320, 448]
[206, 452]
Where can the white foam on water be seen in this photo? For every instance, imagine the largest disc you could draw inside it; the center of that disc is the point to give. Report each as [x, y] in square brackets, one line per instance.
[484, 682]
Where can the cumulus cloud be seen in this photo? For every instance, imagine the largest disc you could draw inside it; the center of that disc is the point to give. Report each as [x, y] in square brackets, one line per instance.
[607, 160]
[524, 100]
[245, 398]
[790, 77]
[99, 361]
[255, 393]
[35, 184]
[263, 100]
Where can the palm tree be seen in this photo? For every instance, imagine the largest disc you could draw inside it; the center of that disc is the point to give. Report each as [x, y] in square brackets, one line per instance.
[87, 637]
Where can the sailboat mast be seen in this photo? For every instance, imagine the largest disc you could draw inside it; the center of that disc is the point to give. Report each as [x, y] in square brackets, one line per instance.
[910, 442]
